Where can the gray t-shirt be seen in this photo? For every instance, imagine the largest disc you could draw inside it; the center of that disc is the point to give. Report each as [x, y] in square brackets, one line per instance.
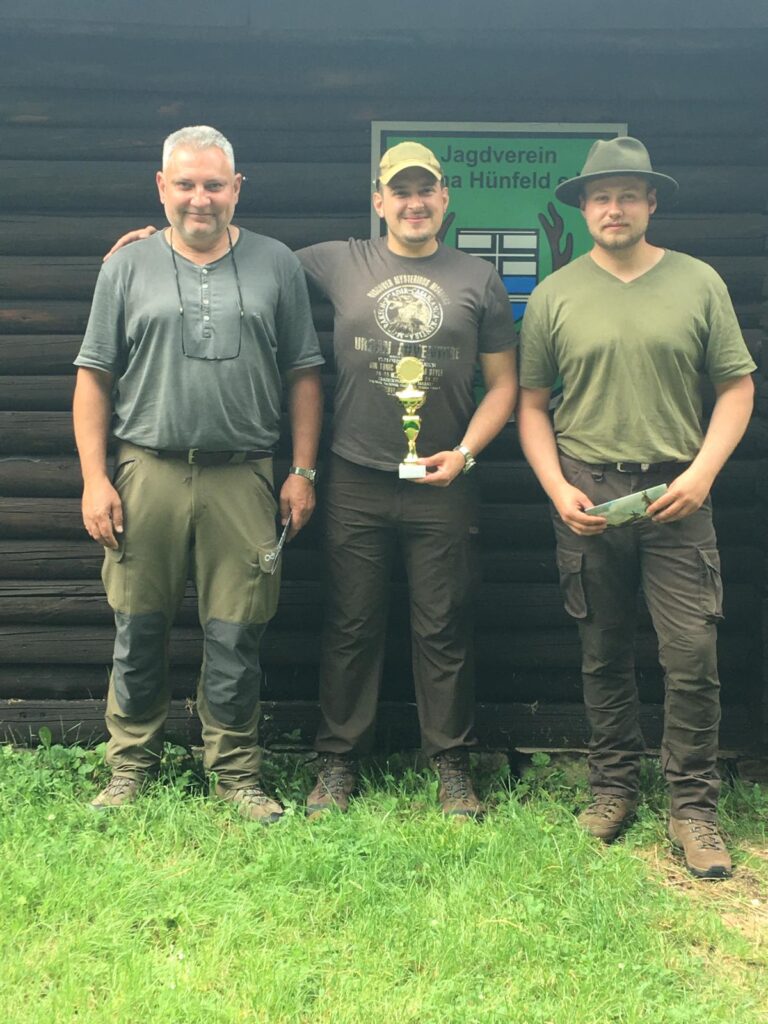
[209, 378]
[443, 309]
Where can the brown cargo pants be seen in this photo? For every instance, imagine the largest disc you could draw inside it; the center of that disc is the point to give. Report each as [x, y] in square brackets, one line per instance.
[677, 565]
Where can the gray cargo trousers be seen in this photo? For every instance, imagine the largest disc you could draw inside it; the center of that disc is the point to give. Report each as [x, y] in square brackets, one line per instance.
[677, 565]
[218, 522]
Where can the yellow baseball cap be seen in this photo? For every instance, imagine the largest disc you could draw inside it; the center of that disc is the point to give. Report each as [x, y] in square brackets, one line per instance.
[408, 154]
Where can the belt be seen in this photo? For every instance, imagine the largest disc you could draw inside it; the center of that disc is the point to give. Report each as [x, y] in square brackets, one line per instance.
[198, 457]
[642, 467]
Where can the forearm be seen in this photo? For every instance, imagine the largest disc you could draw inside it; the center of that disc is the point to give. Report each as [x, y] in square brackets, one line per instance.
[92, 414]
[729, 420]
[537, 439]
[305, 409]
[493, 412]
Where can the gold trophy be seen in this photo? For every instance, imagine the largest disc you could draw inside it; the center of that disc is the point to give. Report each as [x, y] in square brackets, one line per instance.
[409, 372]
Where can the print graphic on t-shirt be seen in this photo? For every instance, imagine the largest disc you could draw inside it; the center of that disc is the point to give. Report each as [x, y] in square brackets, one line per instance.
[408, 313]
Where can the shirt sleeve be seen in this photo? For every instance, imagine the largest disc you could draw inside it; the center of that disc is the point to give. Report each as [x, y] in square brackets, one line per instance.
[538, 366]
[104, 344]
[497, 325]
[320, 262]
[727, 354]
[297, 344]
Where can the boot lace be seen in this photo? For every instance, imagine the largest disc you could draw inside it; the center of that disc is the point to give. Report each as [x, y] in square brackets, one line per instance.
[706, 835]
[337, 776]
[454, 776]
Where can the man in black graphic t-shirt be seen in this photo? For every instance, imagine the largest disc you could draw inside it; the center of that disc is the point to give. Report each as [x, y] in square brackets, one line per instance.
[406, 295]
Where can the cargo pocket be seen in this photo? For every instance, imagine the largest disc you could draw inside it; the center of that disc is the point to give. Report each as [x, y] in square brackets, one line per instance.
[265, 584]
[114, 578]
[711, 585]
[571, 584]
[123, 470]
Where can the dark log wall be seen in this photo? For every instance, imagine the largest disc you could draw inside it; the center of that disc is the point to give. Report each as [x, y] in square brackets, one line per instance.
[83, 112]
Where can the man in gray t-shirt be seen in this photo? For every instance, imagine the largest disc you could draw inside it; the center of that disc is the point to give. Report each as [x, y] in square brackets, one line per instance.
[405, 297]
[190, 335]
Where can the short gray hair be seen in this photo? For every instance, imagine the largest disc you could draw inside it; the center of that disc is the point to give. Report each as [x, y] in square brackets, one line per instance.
[199, 136]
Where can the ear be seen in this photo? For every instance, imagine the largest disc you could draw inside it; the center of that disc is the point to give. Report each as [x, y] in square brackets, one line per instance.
[378, 203]
[160, 179]
[236, 186]
[652, 201]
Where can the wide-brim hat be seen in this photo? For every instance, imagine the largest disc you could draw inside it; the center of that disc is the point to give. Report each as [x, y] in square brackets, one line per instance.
[408, 154]
[609, 157]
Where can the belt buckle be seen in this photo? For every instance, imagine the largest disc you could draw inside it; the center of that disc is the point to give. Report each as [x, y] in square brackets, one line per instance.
[192, 456]
[624, 467]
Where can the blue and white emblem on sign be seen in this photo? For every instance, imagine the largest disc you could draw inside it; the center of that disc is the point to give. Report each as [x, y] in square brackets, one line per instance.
[514, 252]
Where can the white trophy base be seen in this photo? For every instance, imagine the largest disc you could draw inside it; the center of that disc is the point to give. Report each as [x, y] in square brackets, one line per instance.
[411, 471]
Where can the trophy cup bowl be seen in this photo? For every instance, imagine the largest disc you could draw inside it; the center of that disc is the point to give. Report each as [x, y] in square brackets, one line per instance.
[409, 372]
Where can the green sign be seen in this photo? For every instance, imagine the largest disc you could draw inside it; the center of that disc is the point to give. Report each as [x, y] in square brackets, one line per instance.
[502, 179]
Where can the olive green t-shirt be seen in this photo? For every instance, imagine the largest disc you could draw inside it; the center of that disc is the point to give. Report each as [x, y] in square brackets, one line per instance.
[631, 355]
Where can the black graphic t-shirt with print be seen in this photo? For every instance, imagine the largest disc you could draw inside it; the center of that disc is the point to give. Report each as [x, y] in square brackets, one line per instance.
[444, 309]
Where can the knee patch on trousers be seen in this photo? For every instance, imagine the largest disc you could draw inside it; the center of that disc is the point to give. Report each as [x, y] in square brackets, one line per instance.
[139, 661]
[231, 674]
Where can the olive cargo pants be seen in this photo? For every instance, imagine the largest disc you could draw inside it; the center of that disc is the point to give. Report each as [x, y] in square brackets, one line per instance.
[220, 522]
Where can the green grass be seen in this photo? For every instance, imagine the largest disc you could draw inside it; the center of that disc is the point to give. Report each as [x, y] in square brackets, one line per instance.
[176, 911]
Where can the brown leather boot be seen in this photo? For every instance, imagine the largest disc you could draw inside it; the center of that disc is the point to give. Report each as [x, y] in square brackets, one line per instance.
[457, 795]
[336, 782]
[252, 803]
[702, 846]
[607, 815]
[119, 791]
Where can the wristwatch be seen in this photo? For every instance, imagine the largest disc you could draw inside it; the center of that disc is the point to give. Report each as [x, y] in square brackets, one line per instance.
[469, 458]
[308, 474]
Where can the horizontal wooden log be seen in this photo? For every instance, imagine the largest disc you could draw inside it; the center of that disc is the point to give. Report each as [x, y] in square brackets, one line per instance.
[90, 235]
[46, 393]
[117, 187]
[293, 724]
[50, 433]
[51, 316]
[739, 483]
[495, 650]
[235, 111]
[39, 354]
[343, 144]
[291, 682]
[739, 234]
[37, 393]
[499, 605]
[74, 277]
[501, 525]
[275, 69]
[81, 560]
[295, 188]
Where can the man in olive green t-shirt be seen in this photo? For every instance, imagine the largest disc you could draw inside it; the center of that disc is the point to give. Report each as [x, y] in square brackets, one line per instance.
[630, 328]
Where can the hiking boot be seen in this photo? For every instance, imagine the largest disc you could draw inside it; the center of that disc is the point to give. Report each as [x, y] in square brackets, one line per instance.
[703, 848]
[457, 795]
[336, 782]
[119, 791]
[607, 815]
[252, 803]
